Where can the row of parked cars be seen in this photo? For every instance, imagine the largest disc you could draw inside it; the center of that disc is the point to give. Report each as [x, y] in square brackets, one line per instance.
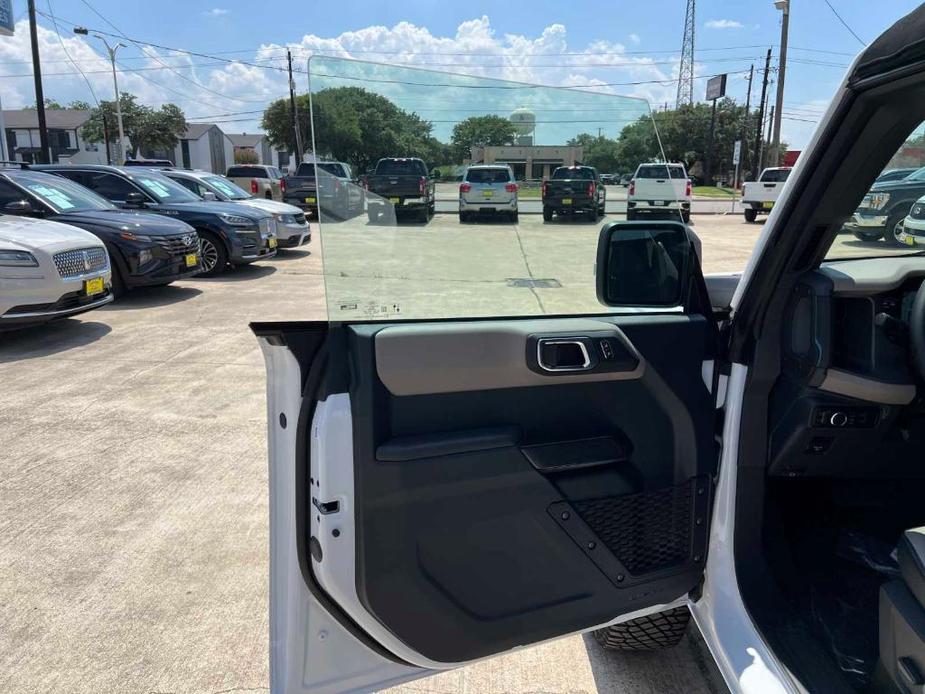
[73, 238]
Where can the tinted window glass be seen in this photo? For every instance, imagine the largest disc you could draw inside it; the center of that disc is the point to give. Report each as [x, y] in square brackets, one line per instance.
[334, 169]
[189, 184]
[9, 193]
[580, 173]
[163, 189]
[775, 176]
[399, 167]
[109, 186]
[660, 171]
[247, 172]
[488, 176]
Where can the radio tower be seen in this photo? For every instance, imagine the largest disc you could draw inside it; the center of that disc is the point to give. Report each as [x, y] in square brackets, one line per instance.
[686, 73]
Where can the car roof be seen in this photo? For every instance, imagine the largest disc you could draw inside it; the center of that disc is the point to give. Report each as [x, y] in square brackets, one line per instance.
[489, 166]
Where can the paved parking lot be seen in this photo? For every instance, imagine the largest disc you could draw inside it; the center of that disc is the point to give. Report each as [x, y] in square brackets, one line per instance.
[133, 539]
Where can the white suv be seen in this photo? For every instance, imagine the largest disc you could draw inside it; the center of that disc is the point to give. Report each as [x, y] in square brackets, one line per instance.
[49, 270]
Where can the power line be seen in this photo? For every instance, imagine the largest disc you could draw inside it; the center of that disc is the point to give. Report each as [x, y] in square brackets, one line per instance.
[845, 24]
[67, 53]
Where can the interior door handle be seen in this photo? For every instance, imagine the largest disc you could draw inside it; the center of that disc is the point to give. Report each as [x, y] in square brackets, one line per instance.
[563, 354]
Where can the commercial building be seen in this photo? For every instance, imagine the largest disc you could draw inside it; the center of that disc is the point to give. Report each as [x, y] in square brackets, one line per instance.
[533, 163]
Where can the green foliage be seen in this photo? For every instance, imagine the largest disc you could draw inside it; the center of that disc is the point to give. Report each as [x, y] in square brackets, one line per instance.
[603, 153]
[355, 126]
[76, 105]
[480, 131]
[145, 127]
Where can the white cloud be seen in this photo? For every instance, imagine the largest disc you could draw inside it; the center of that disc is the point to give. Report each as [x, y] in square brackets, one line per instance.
[723, 24]
[216, 12]
[634, 38]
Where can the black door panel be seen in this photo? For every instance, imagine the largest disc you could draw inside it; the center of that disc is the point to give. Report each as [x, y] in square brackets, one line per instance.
[462, 548]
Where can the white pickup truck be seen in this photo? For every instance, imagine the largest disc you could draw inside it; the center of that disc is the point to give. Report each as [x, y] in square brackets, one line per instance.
[759, 196]
[657, 189]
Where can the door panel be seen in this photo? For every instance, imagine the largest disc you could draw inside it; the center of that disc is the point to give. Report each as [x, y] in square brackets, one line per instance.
[495, 505]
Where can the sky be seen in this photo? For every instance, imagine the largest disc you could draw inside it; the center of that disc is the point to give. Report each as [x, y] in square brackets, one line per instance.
[235, 59]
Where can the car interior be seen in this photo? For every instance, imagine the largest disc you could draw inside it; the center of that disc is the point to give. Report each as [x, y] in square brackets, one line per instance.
[830, 556]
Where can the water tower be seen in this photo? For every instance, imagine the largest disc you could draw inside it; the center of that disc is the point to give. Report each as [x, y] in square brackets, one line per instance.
[524, 121]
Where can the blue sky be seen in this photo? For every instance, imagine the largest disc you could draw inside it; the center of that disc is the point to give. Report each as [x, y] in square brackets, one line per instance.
[640, 42]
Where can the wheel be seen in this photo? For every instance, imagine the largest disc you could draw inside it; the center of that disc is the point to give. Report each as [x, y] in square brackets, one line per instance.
[869, 235]
[515, 217]
[686, 217]
[547, 214]
[424, 215]
[118, 282]
[268, 195]
[651, 633]
[212, 254]
[750, 215]
[894, 227]
[601, 211]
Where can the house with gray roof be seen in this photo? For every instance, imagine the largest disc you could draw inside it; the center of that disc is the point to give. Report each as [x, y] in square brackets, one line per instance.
[22, 141]
[203, 146]
[260, 145]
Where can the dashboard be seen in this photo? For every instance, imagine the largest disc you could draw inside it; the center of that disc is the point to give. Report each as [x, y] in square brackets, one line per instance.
[844, 405]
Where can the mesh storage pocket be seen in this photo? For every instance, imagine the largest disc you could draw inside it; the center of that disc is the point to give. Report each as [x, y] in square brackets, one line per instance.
[647, 532]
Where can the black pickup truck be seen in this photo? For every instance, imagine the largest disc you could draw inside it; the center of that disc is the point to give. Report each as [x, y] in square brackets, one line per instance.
[883, 209]
[403, 185]
[339, 194]
[574, 189]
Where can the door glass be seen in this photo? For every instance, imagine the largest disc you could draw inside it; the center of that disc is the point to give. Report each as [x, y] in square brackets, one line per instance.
[416, 239]
[890, 218]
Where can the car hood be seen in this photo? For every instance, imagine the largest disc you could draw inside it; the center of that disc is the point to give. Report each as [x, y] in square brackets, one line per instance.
[27, 234]
[211, 207]
[120, 220]
[271, 206]
[887, 186]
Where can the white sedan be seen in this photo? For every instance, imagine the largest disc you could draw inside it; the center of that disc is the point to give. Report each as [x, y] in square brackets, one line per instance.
[49, 270]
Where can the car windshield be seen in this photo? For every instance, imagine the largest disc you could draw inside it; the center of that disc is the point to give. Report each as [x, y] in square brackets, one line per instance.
[60, 194]
[775, 175]
[660, 171]
[488, 176]
[582, 173]
[226, 188]
[163, 189]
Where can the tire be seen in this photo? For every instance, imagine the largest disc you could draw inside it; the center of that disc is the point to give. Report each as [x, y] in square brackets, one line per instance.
[117, 285]
[268, 195]
[869, 236]
[547, 214]
[751, 215]
[894, 228]
[462, 218]
[515, 217]
[212, 254]
[651, 633]
[602, 211]
[686, 217]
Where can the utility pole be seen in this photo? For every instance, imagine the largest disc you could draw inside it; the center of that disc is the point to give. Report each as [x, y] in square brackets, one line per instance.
[708, 168]
[762, 160]
[784, 7]
[686, 69]
[45, 154]
[743, 154]
[759, 131]
[83, 31]
[106, 136]
[295, 112]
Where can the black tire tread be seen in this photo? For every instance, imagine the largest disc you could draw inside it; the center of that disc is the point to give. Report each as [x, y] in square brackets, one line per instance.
[650, 633]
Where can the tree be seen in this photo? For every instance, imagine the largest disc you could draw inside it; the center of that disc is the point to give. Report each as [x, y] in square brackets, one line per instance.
[480, 131]
[145, 127]
[601, 152]
[50, 103]
[245, 156]
[355, 126]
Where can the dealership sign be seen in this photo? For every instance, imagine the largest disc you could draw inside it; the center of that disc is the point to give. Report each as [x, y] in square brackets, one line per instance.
[716, 87]
[6, 17]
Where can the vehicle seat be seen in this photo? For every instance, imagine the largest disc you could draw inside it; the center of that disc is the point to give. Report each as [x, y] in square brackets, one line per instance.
[902, 616]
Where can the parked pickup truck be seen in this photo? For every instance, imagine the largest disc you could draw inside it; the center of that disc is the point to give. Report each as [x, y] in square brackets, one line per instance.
[262, 181]
[659, 190]
[339, 194]
[758, 197]
[403, 185]
[574, 189]
[883, 210]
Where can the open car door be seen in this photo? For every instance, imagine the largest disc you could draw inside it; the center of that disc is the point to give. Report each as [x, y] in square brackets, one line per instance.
[445, 491]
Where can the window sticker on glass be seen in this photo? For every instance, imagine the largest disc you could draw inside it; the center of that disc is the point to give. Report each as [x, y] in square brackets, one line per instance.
[56, 197]
[155, 187]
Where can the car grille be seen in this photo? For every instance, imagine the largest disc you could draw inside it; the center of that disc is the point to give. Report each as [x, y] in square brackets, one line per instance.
[179, 245]
[918, 211]
[81, 261]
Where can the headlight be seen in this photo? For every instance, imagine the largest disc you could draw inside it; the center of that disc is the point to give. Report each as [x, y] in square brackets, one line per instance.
[145, 256]
[876, 201]
[17, 259]
[285, 218]
[131, 236]
[237, 220]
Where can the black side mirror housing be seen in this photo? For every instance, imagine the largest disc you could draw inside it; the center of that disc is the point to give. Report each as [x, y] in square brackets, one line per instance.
[20, 207]
[645, 263]
[134, 199]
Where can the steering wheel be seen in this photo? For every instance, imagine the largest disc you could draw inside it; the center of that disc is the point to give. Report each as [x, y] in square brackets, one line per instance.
[917, 330]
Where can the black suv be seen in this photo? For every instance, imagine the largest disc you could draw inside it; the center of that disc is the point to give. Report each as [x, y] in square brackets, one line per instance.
[145, 250]
[883, 209]
[228, 233]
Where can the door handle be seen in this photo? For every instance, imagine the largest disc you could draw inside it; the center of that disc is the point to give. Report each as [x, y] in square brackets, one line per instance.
[563, 354]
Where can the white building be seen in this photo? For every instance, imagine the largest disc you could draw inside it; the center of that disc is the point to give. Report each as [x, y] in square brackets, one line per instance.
[64, 138]
[203, 146]
[259, 144]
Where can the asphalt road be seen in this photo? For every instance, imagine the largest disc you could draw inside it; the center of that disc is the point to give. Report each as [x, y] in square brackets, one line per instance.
[133, 538]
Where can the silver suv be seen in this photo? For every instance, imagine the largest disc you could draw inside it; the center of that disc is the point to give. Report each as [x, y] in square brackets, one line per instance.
[488, 188]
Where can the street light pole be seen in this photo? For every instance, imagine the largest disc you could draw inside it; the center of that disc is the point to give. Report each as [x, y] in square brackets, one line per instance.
[784, 7]
[120, 158]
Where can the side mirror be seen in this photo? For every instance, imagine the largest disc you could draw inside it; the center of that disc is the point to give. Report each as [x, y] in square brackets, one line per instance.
[645, 263]
[209, 195]
[18, 207]
[134, 199]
